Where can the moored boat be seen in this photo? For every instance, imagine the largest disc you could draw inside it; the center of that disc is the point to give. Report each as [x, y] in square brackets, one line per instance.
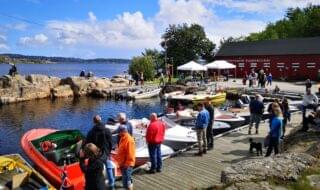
[17, 173]
[216, 99]
[54, 163]
[144, 93]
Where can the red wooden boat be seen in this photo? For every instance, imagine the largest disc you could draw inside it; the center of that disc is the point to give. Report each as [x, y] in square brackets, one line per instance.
[62, 159]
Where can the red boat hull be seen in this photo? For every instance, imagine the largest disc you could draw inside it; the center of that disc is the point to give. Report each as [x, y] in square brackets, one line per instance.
[49, 169]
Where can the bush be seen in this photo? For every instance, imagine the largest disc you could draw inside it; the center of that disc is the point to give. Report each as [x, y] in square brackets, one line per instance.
[143, 64]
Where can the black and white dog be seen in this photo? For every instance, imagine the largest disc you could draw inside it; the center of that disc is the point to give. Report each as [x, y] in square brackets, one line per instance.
[255, 145]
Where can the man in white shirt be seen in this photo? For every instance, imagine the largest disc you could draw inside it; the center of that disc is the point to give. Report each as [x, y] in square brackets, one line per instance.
[309, 101]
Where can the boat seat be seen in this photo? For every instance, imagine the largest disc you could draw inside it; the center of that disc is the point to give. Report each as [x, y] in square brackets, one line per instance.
[58, 155]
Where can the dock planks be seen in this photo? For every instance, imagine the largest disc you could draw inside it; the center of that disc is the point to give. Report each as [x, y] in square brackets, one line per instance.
[186, 171]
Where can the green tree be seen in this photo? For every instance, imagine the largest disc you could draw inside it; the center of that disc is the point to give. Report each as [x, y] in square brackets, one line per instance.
[142, 64]
[296, 23]
[157, 57]
[183, 43]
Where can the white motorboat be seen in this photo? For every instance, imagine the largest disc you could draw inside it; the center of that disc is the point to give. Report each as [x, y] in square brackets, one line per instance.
[143, 93]
[176, 136]
[188, 114]
[142, 153]
[170, 94]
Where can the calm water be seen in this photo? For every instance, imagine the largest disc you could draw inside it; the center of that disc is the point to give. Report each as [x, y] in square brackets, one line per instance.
[68, 69]
[16, 119]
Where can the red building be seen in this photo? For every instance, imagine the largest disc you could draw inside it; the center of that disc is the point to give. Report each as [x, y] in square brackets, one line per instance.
[292, 59]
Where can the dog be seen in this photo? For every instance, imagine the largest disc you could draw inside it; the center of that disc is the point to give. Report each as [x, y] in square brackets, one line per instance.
[255, 145]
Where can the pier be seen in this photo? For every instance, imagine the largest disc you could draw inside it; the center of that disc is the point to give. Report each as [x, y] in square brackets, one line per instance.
[186, 171]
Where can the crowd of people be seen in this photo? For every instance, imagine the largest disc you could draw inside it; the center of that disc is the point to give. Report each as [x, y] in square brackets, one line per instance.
[98, 145]
[261, 79]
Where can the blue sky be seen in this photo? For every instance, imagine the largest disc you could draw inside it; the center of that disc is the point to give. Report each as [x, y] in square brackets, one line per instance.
[124, 28]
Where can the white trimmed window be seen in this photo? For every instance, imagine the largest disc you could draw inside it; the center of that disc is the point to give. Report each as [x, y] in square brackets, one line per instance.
[241, 64]
[253, 65]
[266, 65]
[295, 65]
[311, 65]
[280, 65]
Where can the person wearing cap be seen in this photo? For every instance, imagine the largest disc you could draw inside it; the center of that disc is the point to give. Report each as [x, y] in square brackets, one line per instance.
[101, 137]
[256, 108]
[202, 122]
[93, 171]
[126, 157]
[154, 137]
[122, 118]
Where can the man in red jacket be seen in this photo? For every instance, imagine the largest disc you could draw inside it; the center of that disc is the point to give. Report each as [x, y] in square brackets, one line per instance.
[154, 137]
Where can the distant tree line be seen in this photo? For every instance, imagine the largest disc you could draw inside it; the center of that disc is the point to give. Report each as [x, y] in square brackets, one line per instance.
[17, 58]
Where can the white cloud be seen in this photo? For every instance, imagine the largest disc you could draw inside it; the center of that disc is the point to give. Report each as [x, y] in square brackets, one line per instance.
[181, 11]
[92, 16]
[3, 42]
[126, 31]
[38, 39]
[17, 26]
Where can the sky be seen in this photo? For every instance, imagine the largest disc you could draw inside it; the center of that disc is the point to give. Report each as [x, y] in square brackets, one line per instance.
[124, 28]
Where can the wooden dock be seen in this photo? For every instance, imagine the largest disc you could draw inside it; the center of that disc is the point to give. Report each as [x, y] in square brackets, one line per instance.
[186, 171]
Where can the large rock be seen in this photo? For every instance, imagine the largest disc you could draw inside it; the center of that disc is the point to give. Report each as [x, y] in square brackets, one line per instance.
[83, 86]
[62, 91]
[43, 80]
[20, 88]
[282, 167]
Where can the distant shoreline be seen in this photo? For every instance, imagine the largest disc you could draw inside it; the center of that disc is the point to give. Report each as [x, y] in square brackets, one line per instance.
[26, 59]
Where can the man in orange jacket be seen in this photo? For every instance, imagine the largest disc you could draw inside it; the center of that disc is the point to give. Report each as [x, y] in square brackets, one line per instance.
[126, 157]
[154, 137]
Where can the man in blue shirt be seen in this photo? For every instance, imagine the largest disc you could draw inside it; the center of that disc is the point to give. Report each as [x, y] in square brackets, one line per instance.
[201, 128]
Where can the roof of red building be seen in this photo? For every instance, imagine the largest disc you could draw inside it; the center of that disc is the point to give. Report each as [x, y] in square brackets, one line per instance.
[292, 46]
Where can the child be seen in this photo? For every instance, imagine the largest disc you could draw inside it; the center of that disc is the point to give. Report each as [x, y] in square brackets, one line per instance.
[94, 169]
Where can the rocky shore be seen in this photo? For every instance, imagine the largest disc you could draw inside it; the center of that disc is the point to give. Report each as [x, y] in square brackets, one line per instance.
[23, 88]
[297, 168]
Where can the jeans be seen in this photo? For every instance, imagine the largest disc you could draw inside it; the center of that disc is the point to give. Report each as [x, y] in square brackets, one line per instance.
[202, 139]
[210, 135]
[126, 177]
[255, 118]
[273, 144]
[110, 174]
[155, 156]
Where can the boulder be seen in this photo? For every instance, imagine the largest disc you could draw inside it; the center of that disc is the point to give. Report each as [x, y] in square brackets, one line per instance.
[83, 86]
[62, 91]
[100, 93]
[43, 80]
[285, 167]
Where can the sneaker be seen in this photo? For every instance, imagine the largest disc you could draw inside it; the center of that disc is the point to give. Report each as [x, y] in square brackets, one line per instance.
[159, 170]
[151, 171]
[204, 151]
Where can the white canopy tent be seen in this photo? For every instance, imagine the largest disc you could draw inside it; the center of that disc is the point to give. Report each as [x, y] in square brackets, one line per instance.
[221, 65]
[192, 66]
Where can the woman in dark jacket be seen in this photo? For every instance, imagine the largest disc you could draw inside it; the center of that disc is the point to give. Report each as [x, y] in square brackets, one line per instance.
[286, 114]
[275, 132]
[94, 169]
